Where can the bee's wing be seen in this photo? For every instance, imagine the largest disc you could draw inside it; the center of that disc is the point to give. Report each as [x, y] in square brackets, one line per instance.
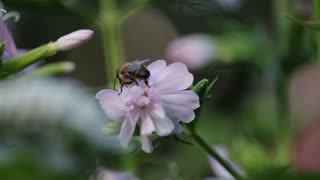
[136, 65]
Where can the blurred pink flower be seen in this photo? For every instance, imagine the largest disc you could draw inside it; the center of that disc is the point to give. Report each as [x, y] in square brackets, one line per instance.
[220, 172]
[195, 50]
[106, 174]
[304, 101]
[230, 5]
[305, 7]
[158, 109]
[11, 50]
[5, 36]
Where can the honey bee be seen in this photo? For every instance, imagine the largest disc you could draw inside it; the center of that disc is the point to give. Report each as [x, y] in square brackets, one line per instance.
[131, 72]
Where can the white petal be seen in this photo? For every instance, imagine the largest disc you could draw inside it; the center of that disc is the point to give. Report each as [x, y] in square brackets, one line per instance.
[112, 104]
[147, 126]
[179, 113]
[142, 101]
[132, 94]
[163, 126]
[156, 110]
[155, 68]
[177, 127]
[146, 144]
[174, 77]
[127, 128]
[185, 98]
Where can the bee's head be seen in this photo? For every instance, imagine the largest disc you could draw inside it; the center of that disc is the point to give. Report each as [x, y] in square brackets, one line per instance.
[144, 73]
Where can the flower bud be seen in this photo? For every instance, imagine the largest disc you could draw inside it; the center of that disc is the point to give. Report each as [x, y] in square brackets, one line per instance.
[73, 39]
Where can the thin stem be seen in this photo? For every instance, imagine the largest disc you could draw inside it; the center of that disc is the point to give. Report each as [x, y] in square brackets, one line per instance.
[113, 48]
[316, 6]
[206, 147]
[108, 4]
[110, 27]
[279, 8]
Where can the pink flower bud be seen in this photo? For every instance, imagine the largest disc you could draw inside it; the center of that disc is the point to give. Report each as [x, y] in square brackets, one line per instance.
[73, 39]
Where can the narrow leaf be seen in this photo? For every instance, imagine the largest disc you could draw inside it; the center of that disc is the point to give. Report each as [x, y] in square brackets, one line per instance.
[307, 24]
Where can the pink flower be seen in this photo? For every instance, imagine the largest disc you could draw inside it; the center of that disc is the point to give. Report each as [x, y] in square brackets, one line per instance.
[157, 109]
[106, 174]
[195, 50]
[5, 36]
[230, 5]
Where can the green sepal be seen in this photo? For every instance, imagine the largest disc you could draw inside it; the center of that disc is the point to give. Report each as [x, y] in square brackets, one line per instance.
[112, 128]
[202, 88]
[19, 63]
[52, 69]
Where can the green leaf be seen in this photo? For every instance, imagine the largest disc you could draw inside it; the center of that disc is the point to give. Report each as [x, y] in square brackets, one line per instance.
[307, 24]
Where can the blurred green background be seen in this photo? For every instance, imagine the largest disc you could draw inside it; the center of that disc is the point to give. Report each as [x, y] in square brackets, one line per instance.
[256, 111]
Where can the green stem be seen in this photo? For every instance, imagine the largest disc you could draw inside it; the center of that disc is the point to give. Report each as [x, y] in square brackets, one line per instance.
[316, 5]
[207, 147]
[108, 4]
[110, 27]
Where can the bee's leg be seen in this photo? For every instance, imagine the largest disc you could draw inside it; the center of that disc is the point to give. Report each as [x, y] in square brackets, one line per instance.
[133, 79]
[147, 83]
[121, 86]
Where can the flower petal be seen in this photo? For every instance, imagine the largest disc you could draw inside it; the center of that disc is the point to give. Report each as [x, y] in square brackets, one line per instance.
[177, 127]
[112, 104]
[5, 35]
[147, 126]
[174, 77]
[127, 128]
[179, 113]
[185, 98]
[163, 126]
[156, 110]
[155, 68]
[146, 144]
[142, 101]
[131, 94]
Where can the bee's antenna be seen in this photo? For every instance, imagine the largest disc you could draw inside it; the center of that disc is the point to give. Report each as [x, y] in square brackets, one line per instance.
[144, 61]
